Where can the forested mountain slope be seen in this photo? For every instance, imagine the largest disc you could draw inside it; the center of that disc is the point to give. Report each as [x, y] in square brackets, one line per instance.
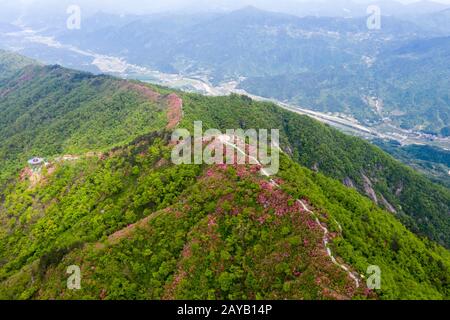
[421, 205]
[48, 110]
[432, 161]
[141, 227]
[10, 63]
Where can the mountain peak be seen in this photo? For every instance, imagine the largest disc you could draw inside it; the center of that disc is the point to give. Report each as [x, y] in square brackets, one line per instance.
[257, 13]
[250, 10]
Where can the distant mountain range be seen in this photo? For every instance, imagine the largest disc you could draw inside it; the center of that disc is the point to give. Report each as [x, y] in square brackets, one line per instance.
[37, 10]
[397, 74]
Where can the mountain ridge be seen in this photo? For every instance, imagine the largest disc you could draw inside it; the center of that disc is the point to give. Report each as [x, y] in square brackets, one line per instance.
[231, 228]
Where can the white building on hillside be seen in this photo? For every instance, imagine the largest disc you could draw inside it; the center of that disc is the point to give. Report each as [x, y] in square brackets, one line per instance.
[36, 163]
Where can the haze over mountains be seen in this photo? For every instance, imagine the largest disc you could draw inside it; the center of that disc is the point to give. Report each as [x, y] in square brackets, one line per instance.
[349, 8]
[343, 67]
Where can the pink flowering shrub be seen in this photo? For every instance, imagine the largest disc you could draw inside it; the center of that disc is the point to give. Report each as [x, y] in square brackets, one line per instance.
[259, 227]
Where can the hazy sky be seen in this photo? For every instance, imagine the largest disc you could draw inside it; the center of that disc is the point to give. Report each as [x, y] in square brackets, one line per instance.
[142, 6]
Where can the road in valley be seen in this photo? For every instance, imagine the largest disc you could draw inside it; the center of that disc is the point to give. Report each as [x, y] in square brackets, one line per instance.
[27, 38]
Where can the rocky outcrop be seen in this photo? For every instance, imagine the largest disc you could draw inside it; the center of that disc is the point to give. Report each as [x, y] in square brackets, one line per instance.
[387, 205]
[368, 189]
[348, 183]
